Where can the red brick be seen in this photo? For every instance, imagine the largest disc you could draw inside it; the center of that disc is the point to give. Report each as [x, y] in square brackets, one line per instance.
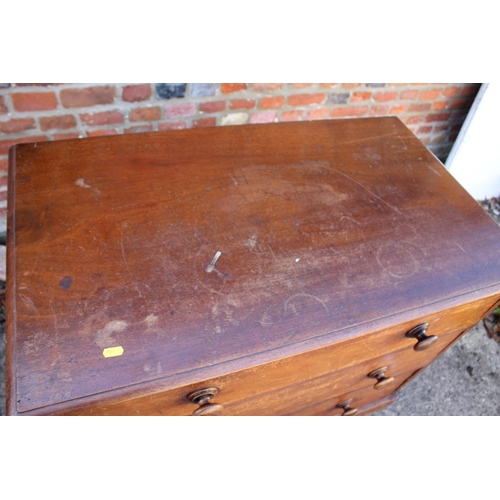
[34, 101]
[265, 87]
[439, 105]
[172, 125]
[456, 127]
[145, 114]
[4, 165]
[426, 129]
[452, 137]
[351, 111]
[227, 88]
[212, 107]
[57, 122]
[182, 109]
[209, 121]
[291, 116]
[451, 91]
[327, 85]
[350, 85]
[318, 114]
[3, 107]
[469, 91]
[62, 137]
[408, 95]
[263, 117]
[138, 129]
[242, 104]
[379, 110]
[101, 132]
[440, 128]
[90, 96]
[397, 108]
[301, 85]
[16, 125]
[419, 106]
[385, 96]
[360, 96]
[460, 103]
[134, 93]
[305, 99]
[429, 95]
[414, 119]
[438, 117]
[272, 102]
[36, 84]
[103, 118]
[5, 145]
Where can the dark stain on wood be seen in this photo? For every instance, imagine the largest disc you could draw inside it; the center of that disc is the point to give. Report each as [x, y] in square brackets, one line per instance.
[65, 283]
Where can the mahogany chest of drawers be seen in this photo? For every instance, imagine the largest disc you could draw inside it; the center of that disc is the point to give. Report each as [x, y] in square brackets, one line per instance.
[281, 269]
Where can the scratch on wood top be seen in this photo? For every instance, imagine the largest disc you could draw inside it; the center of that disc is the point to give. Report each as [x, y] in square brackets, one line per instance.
[435, 171]
[364, 139]
[288, 305]
[368, 191]
[307, 295]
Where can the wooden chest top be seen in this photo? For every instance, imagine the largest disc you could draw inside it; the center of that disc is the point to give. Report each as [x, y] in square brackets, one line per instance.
[321, 229]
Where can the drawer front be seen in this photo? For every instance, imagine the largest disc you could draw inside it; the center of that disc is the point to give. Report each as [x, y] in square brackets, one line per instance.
[347, 380]
[286, 399]
[291, 399]
[298, 369]
[355, 402]
[378, 405]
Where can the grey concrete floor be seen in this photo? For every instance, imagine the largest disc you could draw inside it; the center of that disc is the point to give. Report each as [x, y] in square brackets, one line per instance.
[464, 380]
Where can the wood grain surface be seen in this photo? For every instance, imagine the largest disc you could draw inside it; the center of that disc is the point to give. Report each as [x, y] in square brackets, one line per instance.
[322, 227]
[362, 399]
[338, 369]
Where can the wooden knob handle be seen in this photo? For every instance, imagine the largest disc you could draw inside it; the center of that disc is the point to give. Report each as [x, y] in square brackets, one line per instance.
[203, 397]
[209, 409]
[419, 332]
[346, 406]
[382, 380]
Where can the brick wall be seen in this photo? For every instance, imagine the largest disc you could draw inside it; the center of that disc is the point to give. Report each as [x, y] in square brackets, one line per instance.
[39, 112]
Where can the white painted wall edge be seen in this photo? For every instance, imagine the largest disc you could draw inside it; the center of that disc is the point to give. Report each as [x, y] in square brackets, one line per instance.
[474, 160]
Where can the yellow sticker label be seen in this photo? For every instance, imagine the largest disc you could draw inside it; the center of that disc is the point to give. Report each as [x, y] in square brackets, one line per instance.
[111, 352]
